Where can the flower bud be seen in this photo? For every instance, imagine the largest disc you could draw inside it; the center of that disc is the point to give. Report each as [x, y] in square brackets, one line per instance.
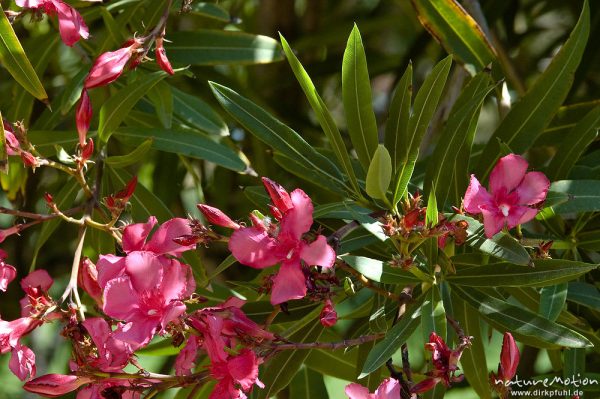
[328, 315]
[55, 385]
[87, 151]
[281, 199]
[29, 160]
[217, 217]
[509, 357]
[109, 66]
[87, 278]
[161, 57]
[83, 116]
[49, 199]
[7, 274]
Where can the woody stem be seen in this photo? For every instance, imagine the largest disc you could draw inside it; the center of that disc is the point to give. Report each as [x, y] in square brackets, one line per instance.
[328, 345]
[366, 282]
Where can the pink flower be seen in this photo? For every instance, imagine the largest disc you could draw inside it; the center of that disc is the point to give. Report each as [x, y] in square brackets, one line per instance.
[109, 66]
[186, 359]
[513, 192]
[83, 116]
[7, 272]
[36, 285]
[12, 143]
[12, 331]
[388, 389]
[236, 376]
[110, 388]
[87, 278]
[266, 244]
[328, 315]
[55, 385]
[112, 354]
[22, 362]
[70, 23]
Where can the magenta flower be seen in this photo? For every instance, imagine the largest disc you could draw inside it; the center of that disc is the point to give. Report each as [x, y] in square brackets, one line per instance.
[236, 376]
[12, 331]
[111, 388]
[109, 66]
[70, 23]
[55, 385]
[388, 389]
[7, 272]
[22, 362]
[87, 278]
[513, 193]
[36, 285]
[112, 354]
[266, 244]
[186, 359]
[145, 288]
[328, 316]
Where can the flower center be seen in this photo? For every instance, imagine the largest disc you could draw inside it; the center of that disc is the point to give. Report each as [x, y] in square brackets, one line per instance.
[504, 208]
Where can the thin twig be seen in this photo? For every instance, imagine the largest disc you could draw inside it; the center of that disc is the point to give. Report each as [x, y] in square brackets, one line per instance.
[328, 345]
[366, 282]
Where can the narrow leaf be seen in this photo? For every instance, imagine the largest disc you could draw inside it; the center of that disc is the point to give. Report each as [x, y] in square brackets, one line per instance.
[15, 60]
[584, 196]
[198, 114]
[379, 271]
[379, 174]
[552, 300]
[584, 294]
[307, 384]
[397, 122]
[121, 161]
[356, 95]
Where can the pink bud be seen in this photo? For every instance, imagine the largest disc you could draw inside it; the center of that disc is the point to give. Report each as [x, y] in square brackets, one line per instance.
[281, 199]
[55, 385]
[88, 150]
[109, 66]
[87, 279]
[217, 217]
[328, 315]
[7, 274]
[509, 357]
[83, 116]
[29, 160]
[49, 199]
[127, 192]
[161, 57]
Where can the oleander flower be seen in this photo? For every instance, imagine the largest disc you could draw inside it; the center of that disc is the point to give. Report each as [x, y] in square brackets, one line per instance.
[71, 25]
[388, 389]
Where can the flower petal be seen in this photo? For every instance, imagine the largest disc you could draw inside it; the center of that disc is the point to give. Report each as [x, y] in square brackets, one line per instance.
[298, 220]
[135, 235]
[388, 389]
[162, 240]
[109, 267]
[38, 278]
[70, 23]
[476, 196]
[493, 221]
[253, 247]
[144, 269]
[507, 174]
[177, 279]
[318, 253]
[7, 274]
[120, 299]
[22, 362]
[357, 391]
[519, 215]
[533, 188]
[289, 283]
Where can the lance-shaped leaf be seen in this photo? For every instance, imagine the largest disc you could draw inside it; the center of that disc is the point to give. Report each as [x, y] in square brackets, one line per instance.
[501, 246]
[379, 174]
[526, 326]
[210, 10]
[472, 361]
[394, 339]
[552, 300]
[584, 294]
[583, 195]
[451, 154]
[307, 384]
[118, 106]
[397, 122]
[424, 107]
[574, 145]
[184, 142]
[532, 113]
[121, 161]
[433, 314]
[356, 95]
[272, 132]
[322, 113]
[544, 272]
[220, 47]
[15, 60]
[456, 30]
[379, 271]
[340, 363]
[197, 113]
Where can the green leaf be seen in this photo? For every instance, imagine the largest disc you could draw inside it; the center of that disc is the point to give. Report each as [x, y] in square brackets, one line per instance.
[308, 384]
[431, 214]
[184, 142]
[394, 339]
[543, 273]
[584, 294]
[457, 31]
[552, 300]
[282, 367]
[525, 325]
[574, 145]
[274, 133]
[3, 149]
[210, 10]
[219, 47]
[584, 196]
[117, 107]
[451, 154]
[424, 107]
[163, 347]
[121, 161]
[314, 176]
[340, 363]
[532, 113]
[501, 246]
[397, 122]
[322, 112]
[433, 314]
[197, 113]
[379, 271]
[574, 362]
[161, 97]
[473, 361]
[379, 174]
[358, 104]
[227, 262]
[15, 60]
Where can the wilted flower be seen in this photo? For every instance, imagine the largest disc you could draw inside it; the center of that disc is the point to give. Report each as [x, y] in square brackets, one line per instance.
[236, 375]
[161, 57]
[22, 362]
[7, 272]
[328, 316]
[513, 193]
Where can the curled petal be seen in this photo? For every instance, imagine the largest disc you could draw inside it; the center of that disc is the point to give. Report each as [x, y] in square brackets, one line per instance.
[253, 247]
[7, 274]
[244, 368]
[476, 196]
[388, 389]
[318, 253]
[507, 174]
[186, 359]
[533, 188]
[55, 385]
[22, 362]
[298, 220]
[289, 283]
[37, 279]
[162, 241]
[108, 67]
[357, 391]
[70, 23]
[425, 385]
[135, 235]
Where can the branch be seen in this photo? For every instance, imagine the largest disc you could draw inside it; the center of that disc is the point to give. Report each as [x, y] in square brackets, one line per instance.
[328, 345]
[366, 282]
